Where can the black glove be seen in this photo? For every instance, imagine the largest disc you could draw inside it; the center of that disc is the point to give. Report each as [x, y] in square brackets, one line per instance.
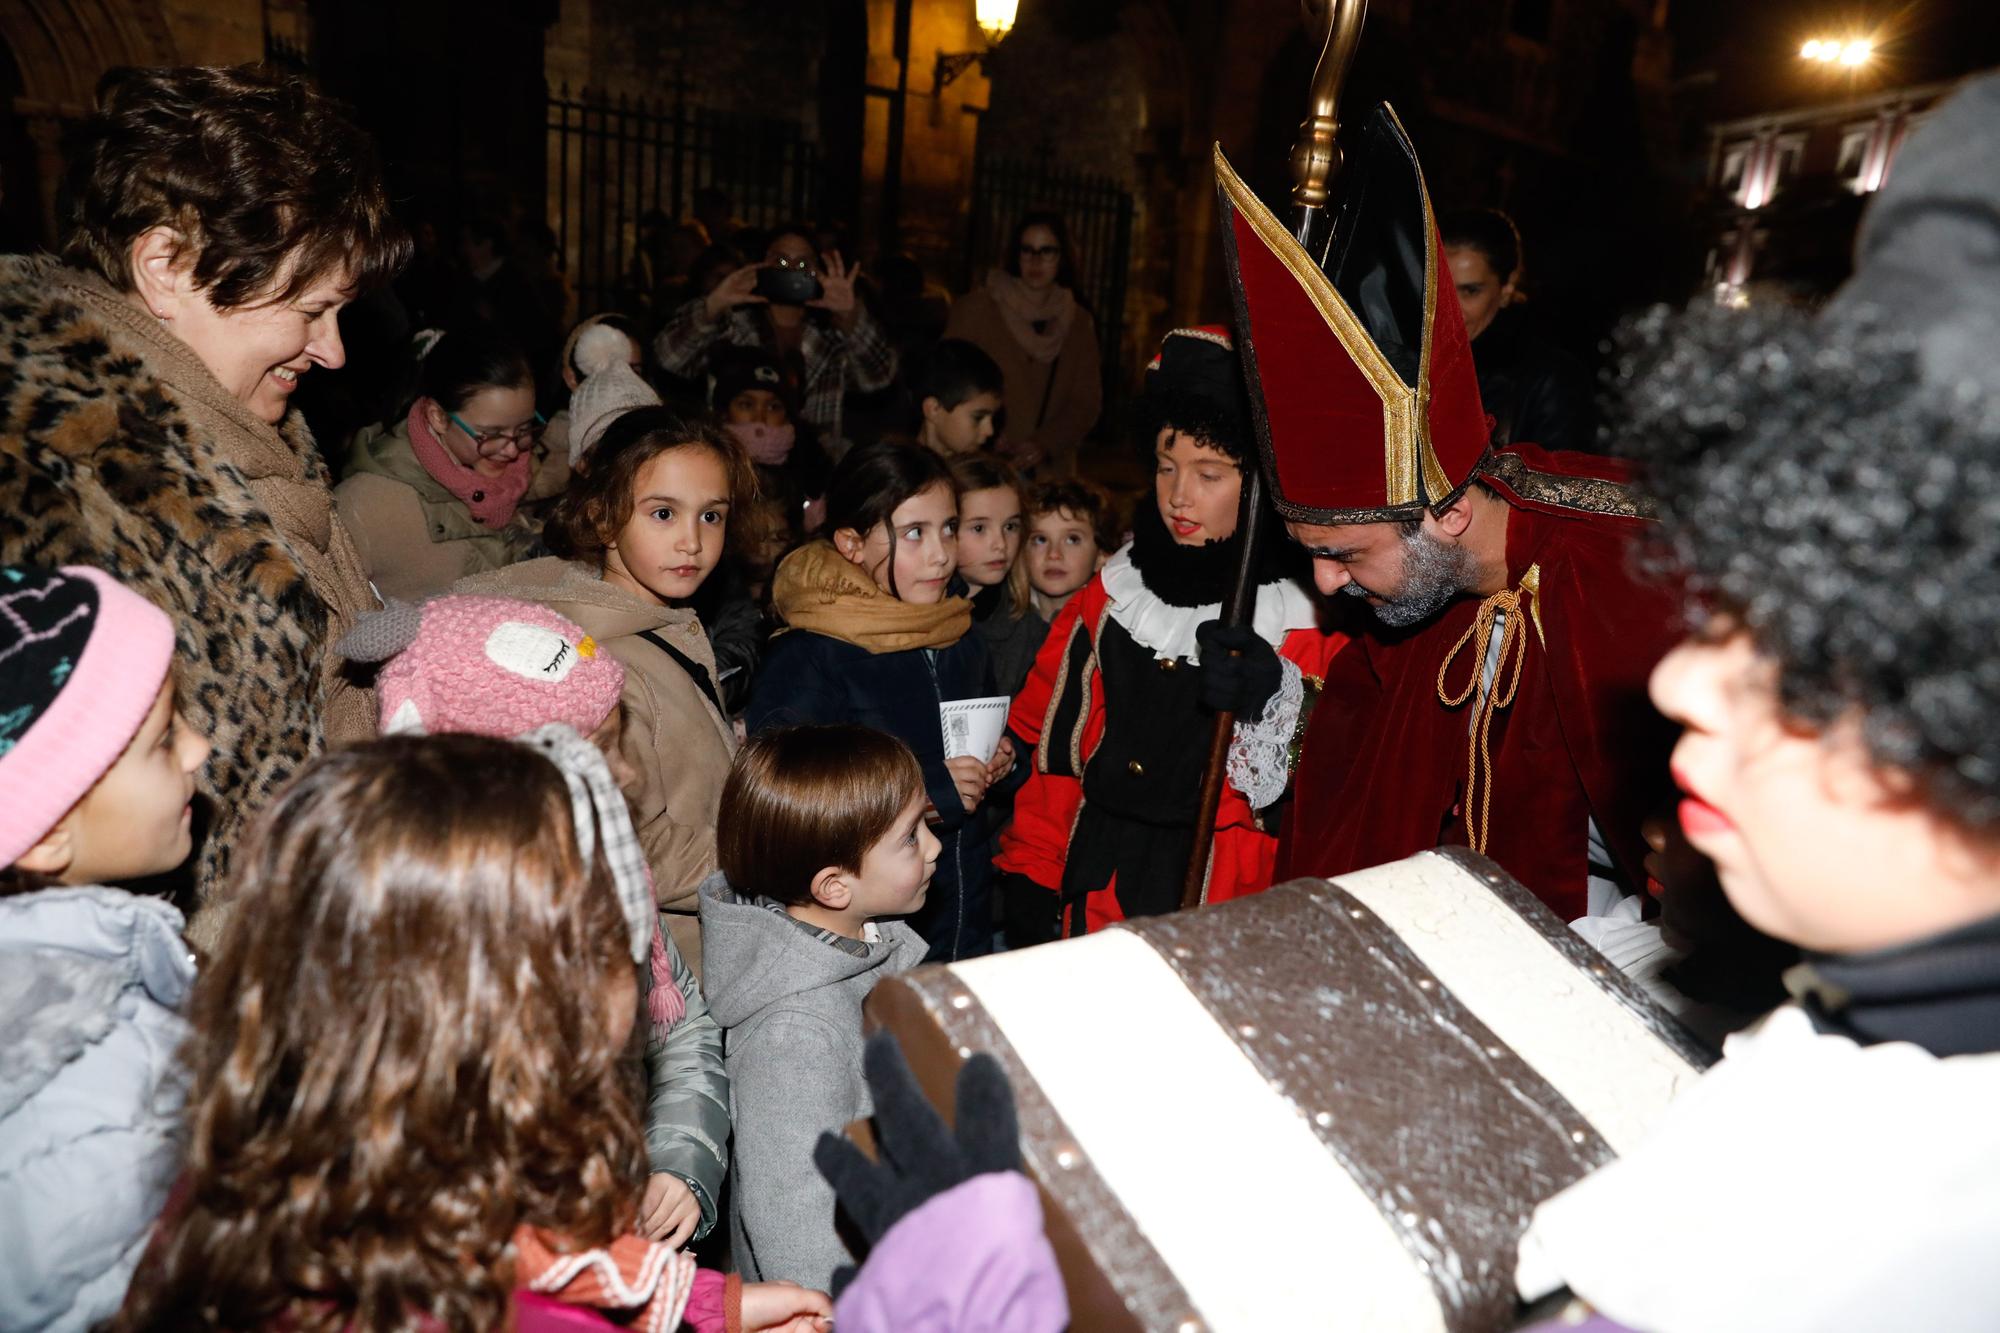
[1029, 913]
[918, 1159]
[1239, 670]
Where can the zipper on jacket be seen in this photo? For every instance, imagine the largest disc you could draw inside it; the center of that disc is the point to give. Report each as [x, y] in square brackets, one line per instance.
[957, 862]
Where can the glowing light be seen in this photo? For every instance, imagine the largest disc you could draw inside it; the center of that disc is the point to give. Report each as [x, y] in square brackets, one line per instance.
[1852, 53]
[995, 17]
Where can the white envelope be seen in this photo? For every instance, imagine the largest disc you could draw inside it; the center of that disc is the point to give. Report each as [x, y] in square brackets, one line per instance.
[973, 726]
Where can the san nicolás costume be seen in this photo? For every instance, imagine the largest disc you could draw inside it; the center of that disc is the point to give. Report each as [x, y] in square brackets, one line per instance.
[1517, 724]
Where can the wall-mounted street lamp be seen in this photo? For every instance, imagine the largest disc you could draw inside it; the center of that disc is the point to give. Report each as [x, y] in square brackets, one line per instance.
[995, 19]
[1852, 54]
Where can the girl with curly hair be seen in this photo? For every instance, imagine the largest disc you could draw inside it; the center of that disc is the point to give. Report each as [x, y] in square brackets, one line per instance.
[409, 1103]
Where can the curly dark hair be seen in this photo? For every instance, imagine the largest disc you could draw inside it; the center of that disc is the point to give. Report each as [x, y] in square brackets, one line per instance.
[1819, 491]
[269, 183]
[402, 1055]
[591, 513]
[1079, 498]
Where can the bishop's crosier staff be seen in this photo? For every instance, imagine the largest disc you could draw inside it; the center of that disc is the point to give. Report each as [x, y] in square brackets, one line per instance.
[1315, 159]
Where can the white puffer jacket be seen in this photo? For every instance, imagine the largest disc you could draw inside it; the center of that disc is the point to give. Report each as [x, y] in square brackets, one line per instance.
[92, 981]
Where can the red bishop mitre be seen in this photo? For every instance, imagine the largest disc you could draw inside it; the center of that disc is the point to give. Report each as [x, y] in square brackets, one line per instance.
[1361, 380]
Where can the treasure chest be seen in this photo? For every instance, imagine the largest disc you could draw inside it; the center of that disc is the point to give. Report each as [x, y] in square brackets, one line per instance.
[1334, 1104]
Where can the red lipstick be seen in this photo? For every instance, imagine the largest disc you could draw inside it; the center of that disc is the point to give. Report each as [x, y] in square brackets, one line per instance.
[1698, 817]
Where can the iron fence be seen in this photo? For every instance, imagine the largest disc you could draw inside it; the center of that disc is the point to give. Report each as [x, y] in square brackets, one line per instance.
[612, 161]
[1099, 213]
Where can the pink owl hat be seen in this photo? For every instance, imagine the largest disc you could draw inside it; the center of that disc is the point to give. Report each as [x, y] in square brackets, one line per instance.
[493, 666]
[488, 665]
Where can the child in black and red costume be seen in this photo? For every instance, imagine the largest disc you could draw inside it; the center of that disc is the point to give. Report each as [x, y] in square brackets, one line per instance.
[1119, 697]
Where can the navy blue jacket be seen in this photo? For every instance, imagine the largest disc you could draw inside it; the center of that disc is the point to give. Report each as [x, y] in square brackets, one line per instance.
[810, 678]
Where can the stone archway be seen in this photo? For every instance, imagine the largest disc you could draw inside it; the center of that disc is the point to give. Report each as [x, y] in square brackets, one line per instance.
[61, 48]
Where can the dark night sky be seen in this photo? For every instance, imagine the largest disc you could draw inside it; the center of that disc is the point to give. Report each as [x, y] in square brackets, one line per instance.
[1752, 46]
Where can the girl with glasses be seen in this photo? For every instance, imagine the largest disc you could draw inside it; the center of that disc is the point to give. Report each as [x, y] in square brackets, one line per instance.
[444, 492]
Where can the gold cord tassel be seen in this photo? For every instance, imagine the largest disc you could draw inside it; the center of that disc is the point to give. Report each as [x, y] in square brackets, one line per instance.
[1509, 603]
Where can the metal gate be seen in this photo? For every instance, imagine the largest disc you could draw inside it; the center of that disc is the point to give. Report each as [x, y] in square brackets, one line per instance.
[1099, 213]
[613, 161]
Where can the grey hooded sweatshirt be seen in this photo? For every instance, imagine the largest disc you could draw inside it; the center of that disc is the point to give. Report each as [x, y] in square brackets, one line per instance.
[790, 1008]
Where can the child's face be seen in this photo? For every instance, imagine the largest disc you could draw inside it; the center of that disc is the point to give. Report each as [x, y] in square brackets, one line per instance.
[757, 407]
[673, 538]
[922, 540]
[1062, 552]
[962, 429]
[896, 872]
[1813, 843]
[767, 534]
[989, 535]
[136, 821]
[1199, 489]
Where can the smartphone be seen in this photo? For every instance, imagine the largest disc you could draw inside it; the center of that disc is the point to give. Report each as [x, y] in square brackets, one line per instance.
[787, 286]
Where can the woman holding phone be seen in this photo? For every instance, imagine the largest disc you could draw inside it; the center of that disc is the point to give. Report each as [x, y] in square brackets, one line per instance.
[802, 309]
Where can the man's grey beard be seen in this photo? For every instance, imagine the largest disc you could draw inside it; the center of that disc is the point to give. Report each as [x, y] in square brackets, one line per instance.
[1433, 574]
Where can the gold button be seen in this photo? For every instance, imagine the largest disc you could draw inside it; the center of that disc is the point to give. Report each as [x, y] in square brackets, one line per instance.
[1135, 768]
[1169, 663]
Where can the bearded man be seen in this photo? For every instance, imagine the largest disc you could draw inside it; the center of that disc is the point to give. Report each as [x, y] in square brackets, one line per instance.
[1498, 700]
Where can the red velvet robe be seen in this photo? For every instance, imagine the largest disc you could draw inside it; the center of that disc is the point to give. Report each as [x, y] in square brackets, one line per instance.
[1384, 761]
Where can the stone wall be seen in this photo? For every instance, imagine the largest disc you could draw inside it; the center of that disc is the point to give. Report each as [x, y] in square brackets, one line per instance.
[215, 32]
[1077, 101]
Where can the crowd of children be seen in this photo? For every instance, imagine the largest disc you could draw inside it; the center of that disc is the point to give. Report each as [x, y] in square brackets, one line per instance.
[557, 981]
[590, 926]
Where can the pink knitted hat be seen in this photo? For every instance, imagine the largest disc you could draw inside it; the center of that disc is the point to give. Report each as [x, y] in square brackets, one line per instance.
[488, 665]
[81, 661]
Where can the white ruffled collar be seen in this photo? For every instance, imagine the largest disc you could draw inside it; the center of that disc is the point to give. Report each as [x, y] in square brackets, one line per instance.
[1167, 631]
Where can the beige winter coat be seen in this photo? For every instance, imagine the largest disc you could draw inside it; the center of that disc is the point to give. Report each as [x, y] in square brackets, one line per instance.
[1073, 386]
[675, 741]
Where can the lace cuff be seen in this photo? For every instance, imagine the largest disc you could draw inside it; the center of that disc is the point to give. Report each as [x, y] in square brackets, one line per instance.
[1260, 752]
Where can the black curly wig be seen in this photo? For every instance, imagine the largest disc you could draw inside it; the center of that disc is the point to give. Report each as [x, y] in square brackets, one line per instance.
[1195, 385]
[1819, 490]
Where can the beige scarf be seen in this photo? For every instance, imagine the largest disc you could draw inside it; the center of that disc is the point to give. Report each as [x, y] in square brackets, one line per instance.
[273, 461]
[818, 589]
[1038, 320]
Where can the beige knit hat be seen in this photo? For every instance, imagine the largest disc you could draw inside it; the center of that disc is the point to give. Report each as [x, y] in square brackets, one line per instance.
[603, 395]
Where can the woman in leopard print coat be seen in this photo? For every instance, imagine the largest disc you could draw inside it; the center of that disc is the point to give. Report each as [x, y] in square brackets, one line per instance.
[220, 219]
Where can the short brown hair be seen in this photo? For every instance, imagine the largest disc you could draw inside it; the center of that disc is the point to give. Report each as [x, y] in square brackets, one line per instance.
[598, 502]
[1079, 499]
[402, 1053]
[800, 799]
[269, 183]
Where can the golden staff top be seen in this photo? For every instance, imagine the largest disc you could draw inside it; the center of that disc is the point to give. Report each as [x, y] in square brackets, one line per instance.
[1316, 154]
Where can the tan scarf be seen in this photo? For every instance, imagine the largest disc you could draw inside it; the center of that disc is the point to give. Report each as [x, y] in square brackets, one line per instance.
[818, 589]
[1038, 320]
[273, 461]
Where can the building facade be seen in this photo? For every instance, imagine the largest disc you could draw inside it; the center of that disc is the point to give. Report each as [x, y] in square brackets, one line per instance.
[1785, 189]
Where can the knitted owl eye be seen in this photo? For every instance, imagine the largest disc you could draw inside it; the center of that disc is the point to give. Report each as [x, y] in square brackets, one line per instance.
[534, 651]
